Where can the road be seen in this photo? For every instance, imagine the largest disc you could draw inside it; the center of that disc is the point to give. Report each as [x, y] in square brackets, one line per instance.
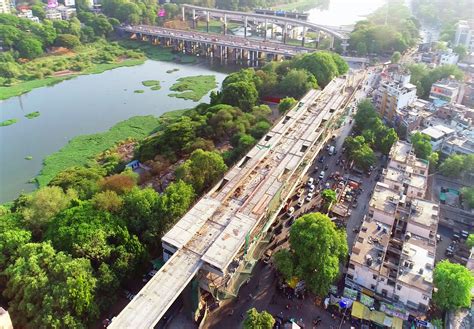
[262, 289]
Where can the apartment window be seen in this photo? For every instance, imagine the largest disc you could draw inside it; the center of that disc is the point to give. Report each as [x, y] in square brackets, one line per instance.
[425, 297]
[351, 266]
[399, 287]
[396, 298]
[384, 292]
[372, 286]
[396, 187]
[422, 172]
[374, 277]
[419, 194]
[350, 276]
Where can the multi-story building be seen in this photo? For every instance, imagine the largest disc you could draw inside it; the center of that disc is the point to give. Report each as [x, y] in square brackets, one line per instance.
[446, 91]
[53, 14]
[394, 93]
[438, 134]
[448, 58]
[28, 14]
[66, 12]
[412, 117]
[70, 3]
[5, 6]
[393, 255]
[465, 34]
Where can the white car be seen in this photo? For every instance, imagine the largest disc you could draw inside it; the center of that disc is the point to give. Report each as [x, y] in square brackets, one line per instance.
[311, 188]
[310, 181]
[321, 175]
[309, 197]
[300, 202]
[291, 211]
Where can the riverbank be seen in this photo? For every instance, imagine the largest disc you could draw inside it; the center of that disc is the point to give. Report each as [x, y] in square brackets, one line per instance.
[90, 59]
[84, 148]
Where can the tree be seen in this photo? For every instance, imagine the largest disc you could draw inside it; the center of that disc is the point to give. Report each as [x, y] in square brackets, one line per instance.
[453, 166]
[284, 263]
[470, 241]
[98, 236]
[85, 181]
[260, 129]
[241, 94]
[38, 11]
[318, 248]
[49, 289]
[364, 157]
[468, 195]
[320, 64]
[29, 47]
[119, 183]
[68, 41]
[296, 83]
[387, 140]
[174, 203]
[421, 145]
[39, 207]
[108, 201]
[329, 197]
[12, 236]
[286, 104]
[202, 170]
[256, 320]
[461, 50]
[261, 112]
[9, 70]
[454, 283]
[396, 57]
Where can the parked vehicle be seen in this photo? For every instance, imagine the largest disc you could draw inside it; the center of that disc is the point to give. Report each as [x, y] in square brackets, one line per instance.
[309, 197]
[321, 159]
[332, 150]
[321, 175]
[311, 188]
[310, 181]
[290, 211]
[301, 202]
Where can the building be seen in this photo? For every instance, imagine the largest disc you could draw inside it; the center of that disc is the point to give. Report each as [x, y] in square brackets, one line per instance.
[438, 134]
[66, 12]
[465, 34]
[70, 3]
[413, 116]
[461, 143]
[53, 14]
[446, 91]
[448, 58]
[5, 7]
[28, 14]
[394, 93]
[393, 255]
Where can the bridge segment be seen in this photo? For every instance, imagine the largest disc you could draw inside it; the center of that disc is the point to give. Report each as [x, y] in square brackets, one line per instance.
[219, 237]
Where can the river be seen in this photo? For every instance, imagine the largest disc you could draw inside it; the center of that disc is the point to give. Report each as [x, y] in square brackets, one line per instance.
[83, 105]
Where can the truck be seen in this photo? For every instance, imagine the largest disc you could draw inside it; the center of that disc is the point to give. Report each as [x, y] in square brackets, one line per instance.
[332, 150]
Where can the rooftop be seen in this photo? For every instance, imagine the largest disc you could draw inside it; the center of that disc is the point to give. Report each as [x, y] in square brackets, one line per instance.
[371, 244]
[425, 213]
[416, 264]
[437, 132]
[406, 177]
[446, 84]
[400, 151]
[384, 198]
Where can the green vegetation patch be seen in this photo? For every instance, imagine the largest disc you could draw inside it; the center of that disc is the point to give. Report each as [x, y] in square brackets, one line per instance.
[194, 87]
[32, 115]
[82, 149]
[172, 70]
[8, 122]
[157, 87]
[29, 157]
[150, 83]
[139, 91]
[157, 53]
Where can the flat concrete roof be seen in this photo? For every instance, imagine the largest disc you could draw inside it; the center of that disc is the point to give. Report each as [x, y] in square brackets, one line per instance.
[426, 213]
[400, 151]
[384, 198]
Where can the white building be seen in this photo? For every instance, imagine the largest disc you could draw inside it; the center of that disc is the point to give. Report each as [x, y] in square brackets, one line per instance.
[438, 134]
[70, 3]
[66, 12]
[448, 58]
[393, 94]
[28, 14]
[5, 7]
[393, 255]
[53, 14]
[446, 91]
[465, 34]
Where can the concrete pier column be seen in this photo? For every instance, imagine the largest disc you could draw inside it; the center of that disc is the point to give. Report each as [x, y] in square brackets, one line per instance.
[194, 18]
[225, 24]
[285, 32]
[332, 42]
[183, 14]
[245, 26]
[317, 40]
[303, 36]
[265, 29]
[207, 22]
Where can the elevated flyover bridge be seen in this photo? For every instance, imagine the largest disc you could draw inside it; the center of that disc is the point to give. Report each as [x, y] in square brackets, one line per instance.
[213, 45]
[216, 243]
[286, 24]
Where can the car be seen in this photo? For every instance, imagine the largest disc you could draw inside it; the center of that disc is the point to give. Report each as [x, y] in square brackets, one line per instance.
[456, 237]
[278, 229]
[310, 181]
[327, 186]
[311, 188]
[438, 238]
[464, 234]
[321, 159]
[267, 256]
[300, 202]
[321, 174]
[328, 147]
[354, 204]
[326, 167]
[309, 197]
[290, 211]
[290, 221]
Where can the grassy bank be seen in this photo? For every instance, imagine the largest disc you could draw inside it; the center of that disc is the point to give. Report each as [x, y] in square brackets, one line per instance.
[82, 149]
[302, 5]
[194, 87]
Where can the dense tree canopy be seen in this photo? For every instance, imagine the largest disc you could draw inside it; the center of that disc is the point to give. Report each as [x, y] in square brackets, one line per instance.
[286, 104]
[457, 165]
[454, 283]
[423, 77]
[297, 83]
[317, 248]
[49, 289]
[468, 195]
[421, 145]
[256, 320]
